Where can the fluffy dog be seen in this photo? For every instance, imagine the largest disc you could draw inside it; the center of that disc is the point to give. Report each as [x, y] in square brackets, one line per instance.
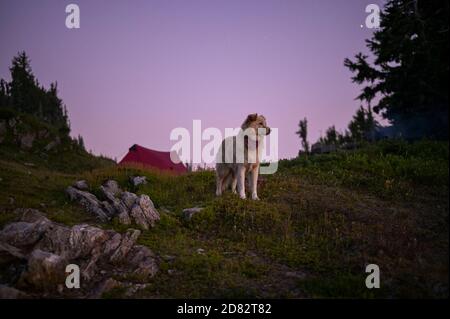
[239, 156]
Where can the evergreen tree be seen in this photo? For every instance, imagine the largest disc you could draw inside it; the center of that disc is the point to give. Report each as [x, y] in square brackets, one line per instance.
[331, 136]
[4, 94]
[23, 86]
[80, 142]
[410, 70]
[362, 126]
[303, 134]
[25, 94]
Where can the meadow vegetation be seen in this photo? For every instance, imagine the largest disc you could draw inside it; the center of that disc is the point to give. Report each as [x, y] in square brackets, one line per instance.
[320, 221]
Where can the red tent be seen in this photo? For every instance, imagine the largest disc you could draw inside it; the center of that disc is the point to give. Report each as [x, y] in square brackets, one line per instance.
[151, 158]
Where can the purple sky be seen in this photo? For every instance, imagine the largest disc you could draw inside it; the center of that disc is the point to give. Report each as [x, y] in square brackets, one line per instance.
[137, 69]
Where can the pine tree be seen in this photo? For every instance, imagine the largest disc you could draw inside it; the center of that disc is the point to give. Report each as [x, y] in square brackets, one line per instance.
[303, 134]
[25, 94]
[362, 126]
[23, 86]
[410, 70]
[4, 94]
[331, 136]
[80, 142]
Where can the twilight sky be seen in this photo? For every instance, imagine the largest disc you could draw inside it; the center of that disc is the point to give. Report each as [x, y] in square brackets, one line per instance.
[137, 69]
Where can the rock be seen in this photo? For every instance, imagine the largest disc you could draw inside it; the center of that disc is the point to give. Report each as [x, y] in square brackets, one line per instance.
[150, 213]
[168, 257]
[30, 215]
[105, 287]
[125, 245]
[81, 185]
[133, 289]
[83, 239]
[200, 251]
[108, 208]
[22, 234]
[129, 199]
[189, 212]
[121, 211]
[10, 253]
[144, 260]
[51, 145]
[139, 217]
[11, 293]
[44, 271]
[124, 218]
[89, 202]
[144, 213]
[138, 180]
[126, 206]
[48, 247]
[111, 187]
[26, 141]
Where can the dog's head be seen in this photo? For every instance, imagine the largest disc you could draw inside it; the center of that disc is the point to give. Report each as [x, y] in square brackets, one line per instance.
[257, 124]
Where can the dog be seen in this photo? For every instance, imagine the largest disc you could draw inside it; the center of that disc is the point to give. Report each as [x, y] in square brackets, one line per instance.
[239, 156]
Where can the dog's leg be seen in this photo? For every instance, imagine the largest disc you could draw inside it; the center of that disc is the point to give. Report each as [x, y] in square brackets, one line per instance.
[241, 181]
[254, 183]
[226, 181]
[234, 184]
[218, 184]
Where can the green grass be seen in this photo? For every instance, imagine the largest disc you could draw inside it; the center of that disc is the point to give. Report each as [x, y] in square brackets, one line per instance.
[326, 217]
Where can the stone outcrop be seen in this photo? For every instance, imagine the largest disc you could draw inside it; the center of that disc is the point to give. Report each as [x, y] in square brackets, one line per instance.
[36, 251]
[138, 180]
[126, 206]
[189, 212]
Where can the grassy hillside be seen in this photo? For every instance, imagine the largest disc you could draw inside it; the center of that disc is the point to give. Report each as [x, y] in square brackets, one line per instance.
[319, 223]
[26, 139]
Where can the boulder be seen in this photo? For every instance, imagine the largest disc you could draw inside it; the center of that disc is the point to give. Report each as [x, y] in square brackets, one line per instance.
[10, 253]
[148, 208]
[189, 212]
[11, 293]
[138, 216]
[129, 199]
[52, 144]
[138, 180]
[144, 213]
[46, 251]
[81, 185]
[126, 206]
[111, 187]
[89, 202]
[124, 247]
[45, 271]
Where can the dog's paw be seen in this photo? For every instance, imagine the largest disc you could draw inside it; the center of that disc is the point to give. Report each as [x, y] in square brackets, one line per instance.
[255, 197]
[242, 196]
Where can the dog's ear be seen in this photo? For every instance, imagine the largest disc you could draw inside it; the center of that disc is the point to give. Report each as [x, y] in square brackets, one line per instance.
[250, 118]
